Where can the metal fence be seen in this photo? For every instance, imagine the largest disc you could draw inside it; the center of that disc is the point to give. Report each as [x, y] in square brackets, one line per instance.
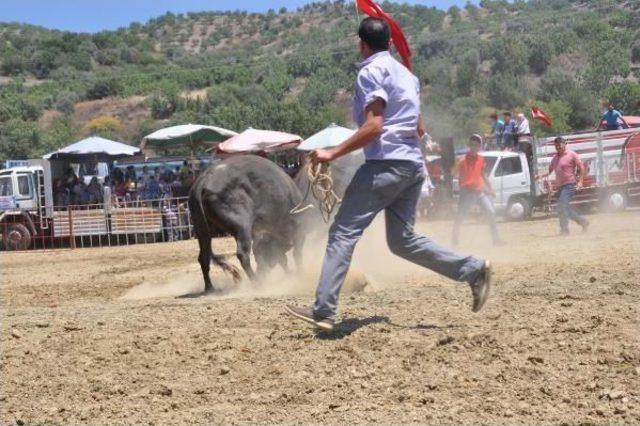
[116, 223]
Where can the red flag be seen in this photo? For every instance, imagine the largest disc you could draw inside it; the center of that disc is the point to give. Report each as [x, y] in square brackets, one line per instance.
[369, 7]
[539, 114]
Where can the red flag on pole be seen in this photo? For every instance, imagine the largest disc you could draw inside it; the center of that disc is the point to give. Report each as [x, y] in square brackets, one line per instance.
[539, 114]
[369, 7]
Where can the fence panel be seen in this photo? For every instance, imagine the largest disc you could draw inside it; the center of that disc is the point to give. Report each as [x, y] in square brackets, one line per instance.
[119, 222]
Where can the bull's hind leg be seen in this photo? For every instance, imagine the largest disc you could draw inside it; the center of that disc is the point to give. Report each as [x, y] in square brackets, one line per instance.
[204, 258]
[243, 242]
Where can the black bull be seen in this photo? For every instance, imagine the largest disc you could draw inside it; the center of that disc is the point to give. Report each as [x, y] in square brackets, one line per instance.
[252, 199]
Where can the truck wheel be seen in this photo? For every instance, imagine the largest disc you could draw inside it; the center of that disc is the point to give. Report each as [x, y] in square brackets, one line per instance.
[615, 201]
[518, 209]
[16, 236]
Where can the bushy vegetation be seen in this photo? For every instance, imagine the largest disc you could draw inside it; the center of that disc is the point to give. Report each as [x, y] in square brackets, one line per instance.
[293, 71]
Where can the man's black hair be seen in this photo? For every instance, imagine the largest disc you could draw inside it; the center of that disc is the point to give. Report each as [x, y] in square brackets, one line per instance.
[507, 113]
[375, 33]
[560, 139]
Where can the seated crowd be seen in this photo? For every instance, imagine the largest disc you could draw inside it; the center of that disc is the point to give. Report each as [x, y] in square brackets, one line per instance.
[124, 186]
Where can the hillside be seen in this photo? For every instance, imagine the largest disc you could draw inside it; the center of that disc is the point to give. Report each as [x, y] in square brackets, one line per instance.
[293, 70]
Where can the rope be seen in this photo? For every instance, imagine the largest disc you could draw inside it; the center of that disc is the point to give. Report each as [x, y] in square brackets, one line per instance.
[321, 187]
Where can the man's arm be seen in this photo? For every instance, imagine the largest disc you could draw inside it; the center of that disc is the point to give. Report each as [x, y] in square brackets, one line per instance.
[489, 188]
[367, 133]
[599, 122]
[582, 171]
[545, 174]
[624, 122]
[422, 130]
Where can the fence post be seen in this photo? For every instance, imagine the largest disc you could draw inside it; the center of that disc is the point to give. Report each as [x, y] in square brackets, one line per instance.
[72, 239]
[600, 176]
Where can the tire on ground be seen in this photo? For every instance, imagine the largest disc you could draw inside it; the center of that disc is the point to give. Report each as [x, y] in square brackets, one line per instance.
[614, 200]
[518, 209]
[16, 236]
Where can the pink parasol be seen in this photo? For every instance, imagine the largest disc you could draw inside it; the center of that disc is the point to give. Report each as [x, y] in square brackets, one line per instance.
[255, 140]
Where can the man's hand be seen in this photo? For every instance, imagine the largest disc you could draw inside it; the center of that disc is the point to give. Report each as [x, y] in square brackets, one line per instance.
[579, 185]
[321, 156]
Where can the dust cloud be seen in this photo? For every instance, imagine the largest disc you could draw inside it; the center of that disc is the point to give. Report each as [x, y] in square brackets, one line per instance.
[373, 268]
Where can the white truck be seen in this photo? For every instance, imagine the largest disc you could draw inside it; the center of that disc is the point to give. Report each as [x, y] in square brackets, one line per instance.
[612, 160]
[29, 217]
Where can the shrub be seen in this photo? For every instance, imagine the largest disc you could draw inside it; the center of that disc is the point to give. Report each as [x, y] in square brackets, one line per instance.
[103, 125]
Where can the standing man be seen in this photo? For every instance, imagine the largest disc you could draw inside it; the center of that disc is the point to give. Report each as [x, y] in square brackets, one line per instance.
[522, 128]
[474, 187]
[612, 118]
[497, 129]
[564, 165]
[509, 133]
[387, 109]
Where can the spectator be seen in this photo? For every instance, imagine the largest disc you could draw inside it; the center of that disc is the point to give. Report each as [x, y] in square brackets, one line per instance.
[141, 185]
[117, 174]
[522, 128]
[120, 189]
[509, 133]
[564, 165]
[106, 193]
[130, 185]
[166, 189]
[474, 187]
[145, 175]
[497, 129]
[188, 180]
[184, 170]
[130, 175]
[60, 193]
[152, 189]
[94, 191]
[426, 194]
[613, 119]
[80, 192]
[70, 179]
[170, 221]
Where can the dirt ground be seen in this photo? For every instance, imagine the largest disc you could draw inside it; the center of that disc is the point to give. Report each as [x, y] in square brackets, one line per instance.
[101, 336]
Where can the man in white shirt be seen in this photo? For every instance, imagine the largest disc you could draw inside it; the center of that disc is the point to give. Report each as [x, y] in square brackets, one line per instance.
[387, 109]
[522, 127]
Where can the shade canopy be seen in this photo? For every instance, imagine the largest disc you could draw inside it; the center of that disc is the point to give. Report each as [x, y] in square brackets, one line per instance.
[332, 135]
[256, 140]
[186, 135]
[94, 148]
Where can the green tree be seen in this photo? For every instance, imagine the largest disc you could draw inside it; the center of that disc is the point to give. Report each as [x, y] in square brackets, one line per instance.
[559, 111]
[625, 96]
[540, 55]
[60, 133]
[103, 87]
[20, 139]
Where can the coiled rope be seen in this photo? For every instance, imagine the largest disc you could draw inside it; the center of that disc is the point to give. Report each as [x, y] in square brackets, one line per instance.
[320, 185]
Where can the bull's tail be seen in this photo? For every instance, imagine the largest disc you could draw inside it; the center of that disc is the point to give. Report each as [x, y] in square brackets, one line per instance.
[195, 204]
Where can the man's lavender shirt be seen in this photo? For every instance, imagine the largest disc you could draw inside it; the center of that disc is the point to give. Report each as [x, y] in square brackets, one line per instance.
[382, 77]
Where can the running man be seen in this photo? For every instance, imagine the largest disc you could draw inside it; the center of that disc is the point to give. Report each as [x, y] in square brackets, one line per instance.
[564, 165]
[475, 188]
[387, 109]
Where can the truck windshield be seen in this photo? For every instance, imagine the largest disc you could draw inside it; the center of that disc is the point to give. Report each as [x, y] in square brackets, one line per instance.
[5, 186]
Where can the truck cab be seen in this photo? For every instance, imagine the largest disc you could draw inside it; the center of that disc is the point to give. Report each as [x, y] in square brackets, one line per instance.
[18, 188]
[22, 200]
[511, 179]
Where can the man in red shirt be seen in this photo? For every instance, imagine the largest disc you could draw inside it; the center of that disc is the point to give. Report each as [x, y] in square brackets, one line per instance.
[474, 187]
[564, 164]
